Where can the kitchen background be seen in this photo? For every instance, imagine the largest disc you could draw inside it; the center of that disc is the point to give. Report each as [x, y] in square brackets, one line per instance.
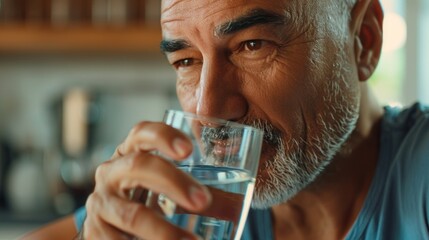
[76, 75]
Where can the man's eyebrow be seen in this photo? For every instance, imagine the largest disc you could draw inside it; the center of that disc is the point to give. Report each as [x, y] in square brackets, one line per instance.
[169, 46]
[252, 18]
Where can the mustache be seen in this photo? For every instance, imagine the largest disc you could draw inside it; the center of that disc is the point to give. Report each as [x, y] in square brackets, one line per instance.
[217, 142]
[221, 133]
[272, 135]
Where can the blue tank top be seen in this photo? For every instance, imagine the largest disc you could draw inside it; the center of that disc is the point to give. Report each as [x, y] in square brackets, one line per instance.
[397, 204]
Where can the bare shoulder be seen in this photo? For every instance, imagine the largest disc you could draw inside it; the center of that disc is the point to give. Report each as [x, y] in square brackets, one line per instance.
[63, 228]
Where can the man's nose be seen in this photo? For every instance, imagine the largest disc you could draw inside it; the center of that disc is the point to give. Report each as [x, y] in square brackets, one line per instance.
[220, 92]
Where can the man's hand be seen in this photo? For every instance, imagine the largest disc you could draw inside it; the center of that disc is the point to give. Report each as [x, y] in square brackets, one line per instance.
[110, 212]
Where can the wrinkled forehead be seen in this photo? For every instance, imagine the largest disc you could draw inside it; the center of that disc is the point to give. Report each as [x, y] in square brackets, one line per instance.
[176, 10]
[185, 6]
[202, 18]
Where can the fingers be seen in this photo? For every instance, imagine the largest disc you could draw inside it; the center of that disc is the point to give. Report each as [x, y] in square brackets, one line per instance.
[111, 214]
[145, 170]
[148, 136]
[107, 215]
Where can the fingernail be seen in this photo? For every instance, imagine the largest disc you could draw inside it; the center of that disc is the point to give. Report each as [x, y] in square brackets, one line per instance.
[200, 196]
[180, 146]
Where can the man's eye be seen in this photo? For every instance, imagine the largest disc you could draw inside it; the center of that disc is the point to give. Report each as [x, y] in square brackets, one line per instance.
[184, 63]
[253, 45]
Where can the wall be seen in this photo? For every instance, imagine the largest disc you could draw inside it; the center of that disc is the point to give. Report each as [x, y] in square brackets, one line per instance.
[29, 86]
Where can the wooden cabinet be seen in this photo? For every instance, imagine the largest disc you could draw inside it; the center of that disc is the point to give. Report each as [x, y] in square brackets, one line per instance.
[67, 26]
[39, 38]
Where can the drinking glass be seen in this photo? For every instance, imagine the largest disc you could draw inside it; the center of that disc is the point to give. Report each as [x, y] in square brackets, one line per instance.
[225, 158]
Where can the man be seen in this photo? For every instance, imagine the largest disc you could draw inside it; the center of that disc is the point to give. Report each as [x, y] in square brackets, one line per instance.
[335, 164]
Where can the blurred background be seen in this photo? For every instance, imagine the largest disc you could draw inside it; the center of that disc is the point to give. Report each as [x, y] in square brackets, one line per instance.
[76, 75]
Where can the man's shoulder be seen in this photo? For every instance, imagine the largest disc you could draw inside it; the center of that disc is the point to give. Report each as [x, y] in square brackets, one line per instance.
[406, 118]
[406, 164]
[408, 129]
[405, 141]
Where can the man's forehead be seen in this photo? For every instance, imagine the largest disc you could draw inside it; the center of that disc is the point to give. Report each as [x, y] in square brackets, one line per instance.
[211, 13]
[166, 4]
[190, 7]
[208, 16]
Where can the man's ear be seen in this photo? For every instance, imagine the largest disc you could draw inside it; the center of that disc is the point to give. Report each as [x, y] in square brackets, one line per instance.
[367, 27]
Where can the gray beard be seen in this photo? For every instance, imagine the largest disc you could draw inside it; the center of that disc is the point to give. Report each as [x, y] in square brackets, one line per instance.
[292, 168]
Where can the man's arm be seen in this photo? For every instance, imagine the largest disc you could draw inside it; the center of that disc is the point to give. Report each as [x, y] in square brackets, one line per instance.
[63, 228]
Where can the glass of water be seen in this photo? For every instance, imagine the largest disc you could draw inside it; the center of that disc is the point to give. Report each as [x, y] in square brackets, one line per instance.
[225, 158]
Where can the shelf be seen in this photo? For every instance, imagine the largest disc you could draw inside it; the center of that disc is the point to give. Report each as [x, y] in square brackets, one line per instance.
[43, 39]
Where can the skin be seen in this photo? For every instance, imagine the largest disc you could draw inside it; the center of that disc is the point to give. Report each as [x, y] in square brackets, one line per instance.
[281, 79]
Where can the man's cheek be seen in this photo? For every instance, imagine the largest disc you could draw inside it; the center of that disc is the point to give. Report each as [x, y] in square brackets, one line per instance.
[187, 97]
